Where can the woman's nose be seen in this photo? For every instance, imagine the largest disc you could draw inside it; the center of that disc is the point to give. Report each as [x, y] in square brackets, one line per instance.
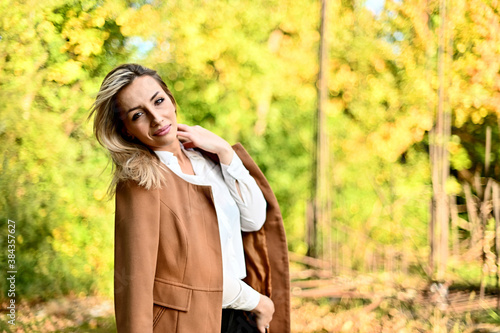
[155, 118]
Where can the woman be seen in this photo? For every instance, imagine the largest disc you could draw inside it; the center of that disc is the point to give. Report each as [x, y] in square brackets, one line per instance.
[199, 239]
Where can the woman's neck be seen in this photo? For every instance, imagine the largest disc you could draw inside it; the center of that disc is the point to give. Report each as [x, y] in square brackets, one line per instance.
[184, 162]
[182, 159]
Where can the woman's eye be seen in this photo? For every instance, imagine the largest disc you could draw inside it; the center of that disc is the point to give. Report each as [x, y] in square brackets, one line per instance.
[159, 100]
[136, 115]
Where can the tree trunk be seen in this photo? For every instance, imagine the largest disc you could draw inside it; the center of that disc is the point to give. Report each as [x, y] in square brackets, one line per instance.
[475, 227]
[440, 162]
[319, 178]
[484, 212]
[496, 213]
[454, 225]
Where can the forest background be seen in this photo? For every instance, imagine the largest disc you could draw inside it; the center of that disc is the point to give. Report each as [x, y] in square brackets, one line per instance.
[248, 71]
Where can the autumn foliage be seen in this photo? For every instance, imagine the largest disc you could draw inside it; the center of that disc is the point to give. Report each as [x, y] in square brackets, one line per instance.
[248, 71]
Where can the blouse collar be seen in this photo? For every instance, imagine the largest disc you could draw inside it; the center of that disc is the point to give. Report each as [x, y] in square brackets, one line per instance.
[168, 157]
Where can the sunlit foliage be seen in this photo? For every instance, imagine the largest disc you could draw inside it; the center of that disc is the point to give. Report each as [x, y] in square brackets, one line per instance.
[246, 70]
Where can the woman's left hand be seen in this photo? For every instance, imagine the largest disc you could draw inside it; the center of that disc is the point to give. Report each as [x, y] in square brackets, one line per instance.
[199, 137]
[264, 313]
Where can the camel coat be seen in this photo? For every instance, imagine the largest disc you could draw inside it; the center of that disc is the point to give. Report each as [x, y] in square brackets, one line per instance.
[168, 262]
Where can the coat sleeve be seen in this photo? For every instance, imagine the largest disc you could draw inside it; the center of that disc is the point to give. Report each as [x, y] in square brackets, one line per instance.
[136, 247]
[266, 252]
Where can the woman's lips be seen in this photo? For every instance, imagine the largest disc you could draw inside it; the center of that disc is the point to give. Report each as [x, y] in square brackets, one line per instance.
[162, 131]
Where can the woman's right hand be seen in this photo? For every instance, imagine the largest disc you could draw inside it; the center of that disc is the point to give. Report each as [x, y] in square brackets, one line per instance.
[197, 136]
[263, 313]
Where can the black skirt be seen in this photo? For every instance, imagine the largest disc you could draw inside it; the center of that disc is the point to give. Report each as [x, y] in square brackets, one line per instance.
[238, 321]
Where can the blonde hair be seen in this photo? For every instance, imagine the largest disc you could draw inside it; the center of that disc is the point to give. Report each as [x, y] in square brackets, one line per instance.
[131, 159]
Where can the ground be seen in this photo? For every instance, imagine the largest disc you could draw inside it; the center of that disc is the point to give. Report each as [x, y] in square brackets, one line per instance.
[364, 304]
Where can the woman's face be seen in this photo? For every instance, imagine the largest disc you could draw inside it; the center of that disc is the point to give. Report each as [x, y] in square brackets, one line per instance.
[148, 114]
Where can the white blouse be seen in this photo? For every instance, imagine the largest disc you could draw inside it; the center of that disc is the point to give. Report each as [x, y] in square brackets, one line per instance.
[235, 213]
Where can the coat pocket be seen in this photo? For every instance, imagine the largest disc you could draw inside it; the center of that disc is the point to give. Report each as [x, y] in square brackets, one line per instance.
[157, 313]
[171, 296]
